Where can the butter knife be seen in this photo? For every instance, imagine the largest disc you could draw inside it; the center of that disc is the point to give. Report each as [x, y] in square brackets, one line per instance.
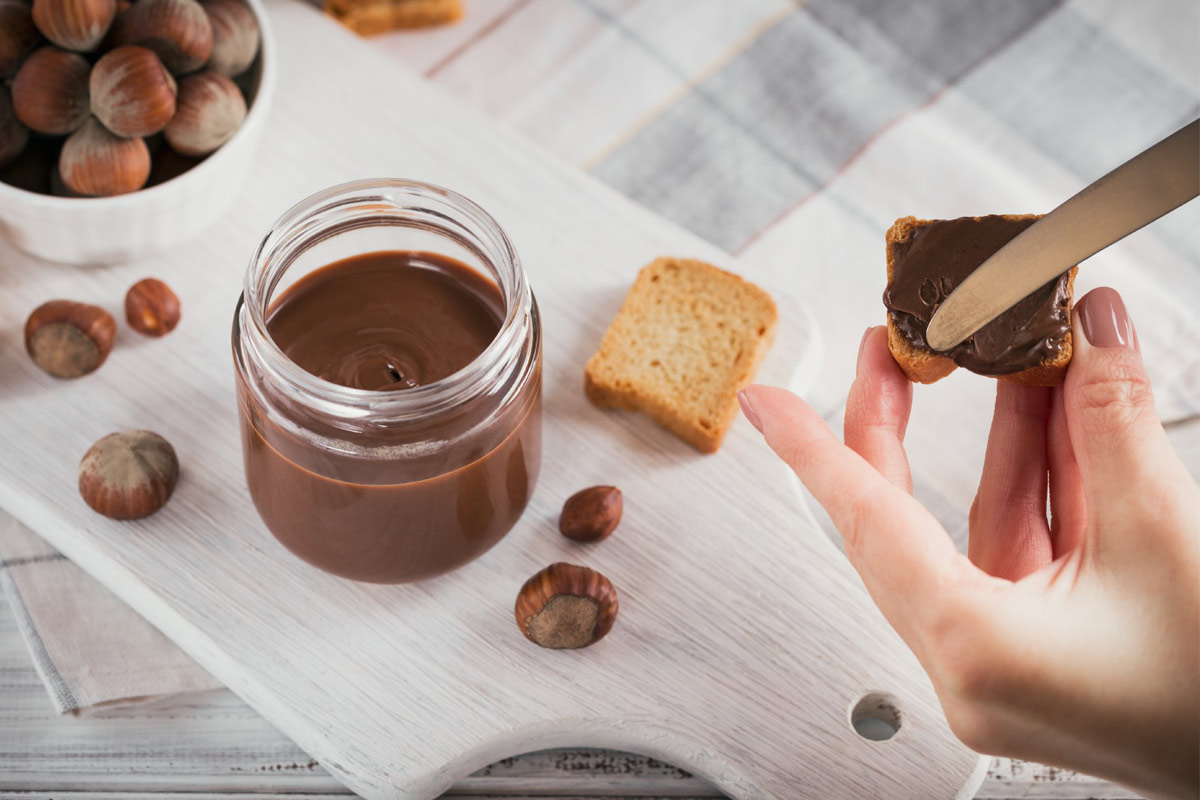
[1141, 190]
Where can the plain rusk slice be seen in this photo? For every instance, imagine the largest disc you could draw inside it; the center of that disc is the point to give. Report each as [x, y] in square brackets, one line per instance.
[370, 17]
[687, 338]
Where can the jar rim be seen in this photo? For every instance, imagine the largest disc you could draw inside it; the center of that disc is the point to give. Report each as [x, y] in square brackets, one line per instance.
[302, 223]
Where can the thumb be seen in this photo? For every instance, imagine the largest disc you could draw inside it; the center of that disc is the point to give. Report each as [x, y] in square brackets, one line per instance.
[1109, 405]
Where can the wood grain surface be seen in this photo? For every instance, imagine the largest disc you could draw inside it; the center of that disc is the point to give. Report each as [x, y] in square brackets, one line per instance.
[744, 638]
[213, 747]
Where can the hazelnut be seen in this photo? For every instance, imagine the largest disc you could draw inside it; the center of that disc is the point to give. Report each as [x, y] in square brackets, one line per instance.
[17, 35]
[77, 25]
[591, 514]
[177, 30]
[566, 606]
[50, 91]
[98, 163]
[151, 307]
[235, 36]
[132, 92]
[13, 135]
[209, 110]
[128, 475]
[69, 339]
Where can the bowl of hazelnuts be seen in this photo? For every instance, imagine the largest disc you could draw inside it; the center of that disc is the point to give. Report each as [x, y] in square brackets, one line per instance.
[126, 126]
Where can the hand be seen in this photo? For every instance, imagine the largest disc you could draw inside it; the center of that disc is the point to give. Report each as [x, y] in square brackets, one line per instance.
[1073, 640]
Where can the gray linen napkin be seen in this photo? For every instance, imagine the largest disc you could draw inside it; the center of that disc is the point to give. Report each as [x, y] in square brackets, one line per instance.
[89, 648]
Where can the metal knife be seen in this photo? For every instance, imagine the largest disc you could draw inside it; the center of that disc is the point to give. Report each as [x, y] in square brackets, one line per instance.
[1141, 190]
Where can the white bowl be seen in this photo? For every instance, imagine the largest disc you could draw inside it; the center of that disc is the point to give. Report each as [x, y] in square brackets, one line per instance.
[105, 230]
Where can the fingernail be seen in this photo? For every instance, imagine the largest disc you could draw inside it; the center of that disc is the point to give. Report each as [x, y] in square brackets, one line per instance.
[749, 411]
[862, 345]
[1104, 319]
[863, 342]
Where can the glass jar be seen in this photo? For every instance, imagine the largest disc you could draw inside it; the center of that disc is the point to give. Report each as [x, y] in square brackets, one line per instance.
[396, 485]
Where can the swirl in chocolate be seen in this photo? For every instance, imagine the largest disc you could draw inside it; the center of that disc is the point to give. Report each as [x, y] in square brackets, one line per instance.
[387, 321]
[938, 256]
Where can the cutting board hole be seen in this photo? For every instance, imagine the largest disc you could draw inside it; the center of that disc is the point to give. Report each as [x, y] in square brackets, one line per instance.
[876, 716]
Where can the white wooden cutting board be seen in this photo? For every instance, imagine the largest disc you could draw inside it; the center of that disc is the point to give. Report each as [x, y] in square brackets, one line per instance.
[744, 638]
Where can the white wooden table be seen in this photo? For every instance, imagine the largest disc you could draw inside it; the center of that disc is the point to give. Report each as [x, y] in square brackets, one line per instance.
[214, 747]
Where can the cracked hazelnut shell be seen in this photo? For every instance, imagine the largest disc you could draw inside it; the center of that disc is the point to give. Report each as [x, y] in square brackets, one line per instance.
[591, 514]
[128, 475]
[566, 606]
[69, 339]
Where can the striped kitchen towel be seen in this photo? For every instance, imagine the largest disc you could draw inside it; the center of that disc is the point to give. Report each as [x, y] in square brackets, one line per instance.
[793, 134]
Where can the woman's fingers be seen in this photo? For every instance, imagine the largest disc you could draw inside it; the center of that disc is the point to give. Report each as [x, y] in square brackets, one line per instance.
[1068, 508]
[1115, 431]
[877, 410]
[1010, 537]
[905, 558]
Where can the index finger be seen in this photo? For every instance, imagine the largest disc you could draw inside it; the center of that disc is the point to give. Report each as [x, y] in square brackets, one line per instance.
[905, 557]
[877, 410]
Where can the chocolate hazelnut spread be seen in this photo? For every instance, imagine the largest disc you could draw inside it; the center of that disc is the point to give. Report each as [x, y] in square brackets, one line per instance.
[937, 258]
[387, 321]
[413, 498]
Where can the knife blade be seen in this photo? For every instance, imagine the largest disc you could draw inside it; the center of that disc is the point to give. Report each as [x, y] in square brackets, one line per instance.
[1144, 188]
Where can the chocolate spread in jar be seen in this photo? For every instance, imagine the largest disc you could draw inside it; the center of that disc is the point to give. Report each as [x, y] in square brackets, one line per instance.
[937, 257]
[415, 499]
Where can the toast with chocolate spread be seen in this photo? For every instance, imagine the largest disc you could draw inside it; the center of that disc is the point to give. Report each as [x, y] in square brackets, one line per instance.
[926, 259]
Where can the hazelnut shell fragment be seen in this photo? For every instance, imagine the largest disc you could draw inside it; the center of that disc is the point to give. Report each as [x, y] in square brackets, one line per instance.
[565, 606]
[68, 339]
[591, 514]
[151, 308]
[128, 475]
